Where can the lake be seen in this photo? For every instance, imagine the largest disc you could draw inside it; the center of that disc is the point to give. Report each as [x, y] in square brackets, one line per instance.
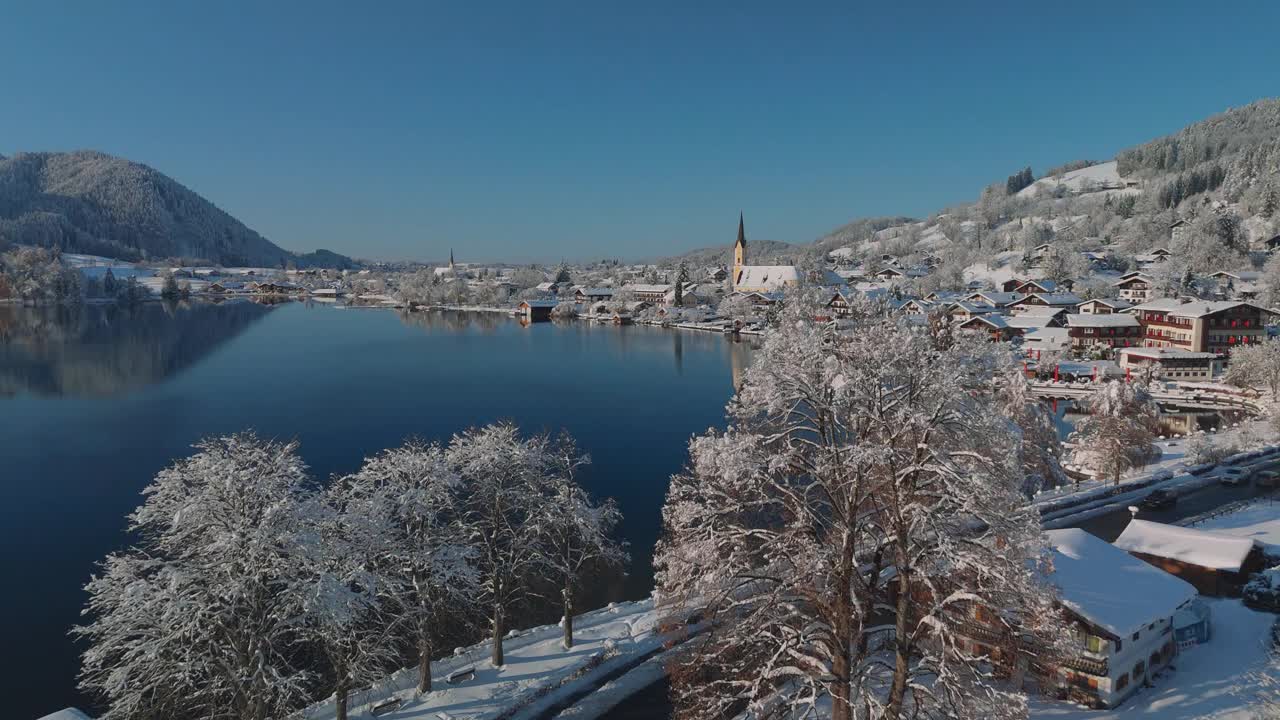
[94, 401]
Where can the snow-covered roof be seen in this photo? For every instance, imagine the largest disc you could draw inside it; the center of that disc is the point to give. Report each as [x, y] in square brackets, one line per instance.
[995, 321]
[1132, 277]
[1167, 353]
[540, 303]
[998, 298]
[770, 277]
[1110, 320]
[1055, 298]
[1044, 285]
[597, 291]
[1047, 337]
[1193, 308]
[973, 308]
[1113, 303]
[1040, 310]
[1188, 545]
[1028, 321]
[67, 714]
[1246, 275]
[1110, 588]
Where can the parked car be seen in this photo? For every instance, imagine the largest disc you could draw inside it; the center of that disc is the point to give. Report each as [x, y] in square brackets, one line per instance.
[1266, 478]
[1233, 476]
[1262, 592]
[1159, 500]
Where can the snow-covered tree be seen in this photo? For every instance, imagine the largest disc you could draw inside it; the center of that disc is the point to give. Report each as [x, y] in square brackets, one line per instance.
[1256, 365]
[336, 553]
[843, 531]
[1038, 447]
[504, 488]
[422, 563]
[577, 533]
[1117, 433]
[199, 619]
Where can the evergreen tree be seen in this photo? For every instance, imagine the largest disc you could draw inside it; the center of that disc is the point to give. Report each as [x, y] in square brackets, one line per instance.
[109, 284]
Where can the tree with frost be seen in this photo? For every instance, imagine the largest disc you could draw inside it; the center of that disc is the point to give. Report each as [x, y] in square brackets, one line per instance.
[1117, 434]
[1256, 365]
[424, 567]
[199, 619]
[844, 530]
[577, 533]
[682, 277]
[338, 588]
[505, 489]
[1039, 450]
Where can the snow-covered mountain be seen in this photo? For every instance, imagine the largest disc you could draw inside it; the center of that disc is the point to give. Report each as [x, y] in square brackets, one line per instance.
[95, 203]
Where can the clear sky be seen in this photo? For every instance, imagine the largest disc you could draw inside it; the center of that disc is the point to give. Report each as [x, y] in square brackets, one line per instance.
[540, 130]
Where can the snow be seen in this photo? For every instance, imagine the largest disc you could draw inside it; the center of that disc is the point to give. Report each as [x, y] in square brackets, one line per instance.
[1108, 586]
[1259, 522]
[1189, 545]
[1103, 176]
[67, 714]
[537, 672]
[1208, 681]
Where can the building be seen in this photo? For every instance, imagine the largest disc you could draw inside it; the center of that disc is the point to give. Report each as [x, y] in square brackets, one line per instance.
[1057, 300]
[1123, 610]
[1041, 341]
[1201, 325]
[716, 274]
[1027, 287]
[1112, 330]
[1215, 563]
[992, 324]
[1103, 306]
[537, 310]
[1134, 287]
[1170, 363]
[758, 278]
[995, 299]
[596, 294]
[964, 310]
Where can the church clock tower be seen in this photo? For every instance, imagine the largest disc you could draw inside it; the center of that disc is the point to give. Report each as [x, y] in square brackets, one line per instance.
[739, 253]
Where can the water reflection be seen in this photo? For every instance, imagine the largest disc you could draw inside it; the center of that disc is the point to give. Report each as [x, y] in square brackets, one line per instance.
[452, 320]
[100, 350]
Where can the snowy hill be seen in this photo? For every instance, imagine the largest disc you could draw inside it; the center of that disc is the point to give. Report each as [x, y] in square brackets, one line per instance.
[1103, 176]
[95, 203]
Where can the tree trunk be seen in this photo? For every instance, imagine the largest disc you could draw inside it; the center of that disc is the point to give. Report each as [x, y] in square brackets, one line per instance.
[902, 649]
[498, 629]
[424, 664]
[341, 694]
[568, 619]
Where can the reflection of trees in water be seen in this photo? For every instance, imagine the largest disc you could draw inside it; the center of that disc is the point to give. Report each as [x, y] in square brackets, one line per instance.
[105, 349]
[453, 320]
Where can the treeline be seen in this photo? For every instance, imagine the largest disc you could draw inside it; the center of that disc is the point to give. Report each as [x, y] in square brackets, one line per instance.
[39, 276]
[254, 590]
[1217, 137]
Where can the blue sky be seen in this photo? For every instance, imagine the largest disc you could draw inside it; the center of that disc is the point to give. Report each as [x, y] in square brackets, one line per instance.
[541, 130]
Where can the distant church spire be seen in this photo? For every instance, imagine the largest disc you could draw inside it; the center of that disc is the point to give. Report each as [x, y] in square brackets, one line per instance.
[739, 253]
[450, 258]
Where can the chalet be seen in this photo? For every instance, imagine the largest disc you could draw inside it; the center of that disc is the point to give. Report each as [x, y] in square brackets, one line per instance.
[944, 296]
[1025, 322]
[1123, 612]
[1201, 325]
[332, 293]
[549, 287]
[890, 274]
[716, 274]
[1134, 287]
[1176, 230]
[1215, 563]
[1112, 330]
[995, 299]
[1103, 306]
[1170, 363]
[841, 303]
[592, 294]
[277, 287]
[992, 324]
[1040, 341]
[1057, 300]
[964, 310]
[1041, 250]
[761, 299]
[1237, 284]
[915, 306]
[1027, 287]
[536, 310]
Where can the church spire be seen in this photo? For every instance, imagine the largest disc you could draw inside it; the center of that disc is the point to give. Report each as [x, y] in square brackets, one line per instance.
[450, 258]
[742, 235]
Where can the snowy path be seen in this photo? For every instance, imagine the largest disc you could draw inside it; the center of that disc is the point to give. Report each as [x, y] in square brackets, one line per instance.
[539, 672]
[1210, 681]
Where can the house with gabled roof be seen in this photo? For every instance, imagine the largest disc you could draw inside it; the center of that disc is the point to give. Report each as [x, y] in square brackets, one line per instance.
[1215, 563]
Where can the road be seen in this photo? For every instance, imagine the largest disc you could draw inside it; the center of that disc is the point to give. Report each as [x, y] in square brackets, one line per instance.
[1109, 526]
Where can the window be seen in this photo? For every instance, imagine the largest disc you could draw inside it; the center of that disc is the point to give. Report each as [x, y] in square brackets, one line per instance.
[1122, 682]
[1119, 645]
[1139, 669]
[1095, 644]
[1137, 634]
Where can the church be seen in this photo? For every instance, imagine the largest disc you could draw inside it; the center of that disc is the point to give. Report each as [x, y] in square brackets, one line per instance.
[758, 278]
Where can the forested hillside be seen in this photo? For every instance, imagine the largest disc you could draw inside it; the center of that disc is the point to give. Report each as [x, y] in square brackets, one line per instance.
[1218, 180]
[95, 203]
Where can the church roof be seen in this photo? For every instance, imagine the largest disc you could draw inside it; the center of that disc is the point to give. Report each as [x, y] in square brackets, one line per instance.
[770, 277]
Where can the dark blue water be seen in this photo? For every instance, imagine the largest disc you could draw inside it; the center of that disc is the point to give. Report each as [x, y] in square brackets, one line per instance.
[94, 402]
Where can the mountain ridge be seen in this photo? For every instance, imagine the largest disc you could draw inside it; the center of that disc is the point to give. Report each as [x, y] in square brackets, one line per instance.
[92, 202]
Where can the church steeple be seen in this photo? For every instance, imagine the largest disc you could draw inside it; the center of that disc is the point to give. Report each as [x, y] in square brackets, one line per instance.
[451, 268]
[739, 251]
